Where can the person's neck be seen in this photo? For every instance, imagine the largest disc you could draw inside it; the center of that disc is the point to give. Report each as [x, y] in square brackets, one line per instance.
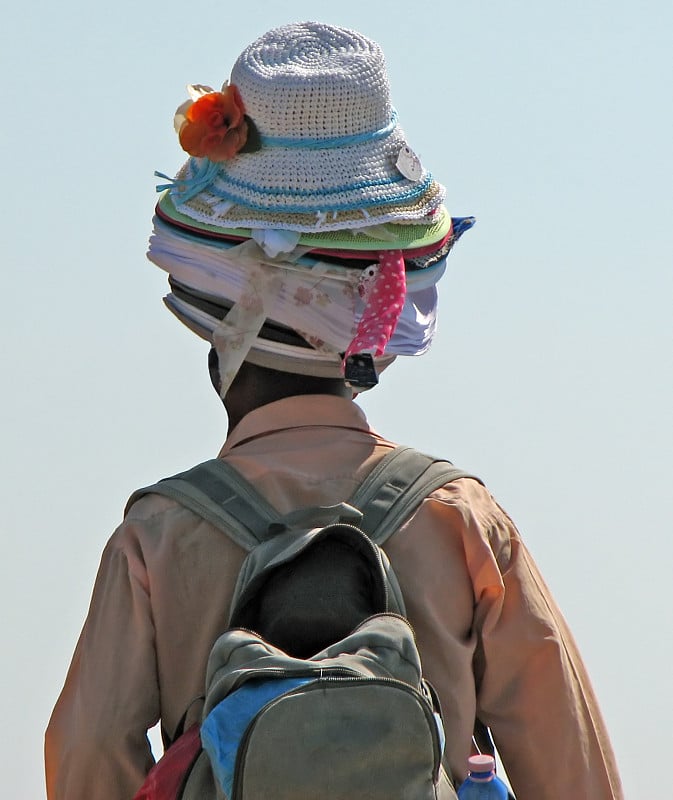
[255, 387]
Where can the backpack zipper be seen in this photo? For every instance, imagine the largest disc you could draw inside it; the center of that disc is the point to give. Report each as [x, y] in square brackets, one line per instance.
[318, 673]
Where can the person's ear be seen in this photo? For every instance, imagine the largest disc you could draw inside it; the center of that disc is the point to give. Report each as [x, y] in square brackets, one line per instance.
[214, 370]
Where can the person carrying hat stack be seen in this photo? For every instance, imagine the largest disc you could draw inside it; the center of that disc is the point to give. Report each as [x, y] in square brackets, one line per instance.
[303, 239]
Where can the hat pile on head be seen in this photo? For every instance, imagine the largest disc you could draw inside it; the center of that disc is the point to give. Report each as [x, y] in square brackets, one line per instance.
[303, 233]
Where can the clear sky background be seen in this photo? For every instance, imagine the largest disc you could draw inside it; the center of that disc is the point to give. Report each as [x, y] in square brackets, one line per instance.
[552, 375]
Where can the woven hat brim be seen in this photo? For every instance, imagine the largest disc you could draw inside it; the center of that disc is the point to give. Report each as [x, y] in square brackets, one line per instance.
[221, 209]
[394, 236]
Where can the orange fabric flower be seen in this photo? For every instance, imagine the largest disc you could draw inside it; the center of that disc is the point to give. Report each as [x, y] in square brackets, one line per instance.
[214, 126]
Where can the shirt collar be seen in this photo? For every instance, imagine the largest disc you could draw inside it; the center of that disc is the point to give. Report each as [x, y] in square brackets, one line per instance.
[297, 412]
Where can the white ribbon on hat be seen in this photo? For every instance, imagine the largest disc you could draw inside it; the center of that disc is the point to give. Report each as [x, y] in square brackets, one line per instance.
[234, 335]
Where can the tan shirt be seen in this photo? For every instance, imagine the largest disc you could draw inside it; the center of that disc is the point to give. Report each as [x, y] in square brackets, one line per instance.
[491, 638]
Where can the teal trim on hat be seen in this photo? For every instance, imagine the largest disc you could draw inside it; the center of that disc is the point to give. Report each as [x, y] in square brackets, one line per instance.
[328, 144]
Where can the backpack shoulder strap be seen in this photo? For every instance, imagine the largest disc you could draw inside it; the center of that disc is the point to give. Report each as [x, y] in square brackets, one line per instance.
[396, 486]
[389, 494]
[216, 492]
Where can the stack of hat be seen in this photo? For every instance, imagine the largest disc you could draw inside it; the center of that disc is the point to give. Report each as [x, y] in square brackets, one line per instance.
[303, 233]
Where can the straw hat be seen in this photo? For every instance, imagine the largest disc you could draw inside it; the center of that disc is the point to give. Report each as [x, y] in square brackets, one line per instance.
[312, 144]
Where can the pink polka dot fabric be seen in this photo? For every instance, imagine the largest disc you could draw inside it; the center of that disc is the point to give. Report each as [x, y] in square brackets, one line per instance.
[384, 302]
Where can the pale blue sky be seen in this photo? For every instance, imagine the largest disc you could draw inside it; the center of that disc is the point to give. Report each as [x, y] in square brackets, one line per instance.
[552, 375]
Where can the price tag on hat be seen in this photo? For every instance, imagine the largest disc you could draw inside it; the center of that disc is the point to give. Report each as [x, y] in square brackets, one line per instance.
[409, 164]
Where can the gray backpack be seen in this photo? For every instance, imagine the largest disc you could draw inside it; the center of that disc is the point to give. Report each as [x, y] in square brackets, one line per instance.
[315, 692]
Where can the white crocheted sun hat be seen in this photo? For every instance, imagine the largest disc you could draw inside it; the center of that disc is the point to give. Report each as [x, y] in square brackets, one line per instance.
[318, 146]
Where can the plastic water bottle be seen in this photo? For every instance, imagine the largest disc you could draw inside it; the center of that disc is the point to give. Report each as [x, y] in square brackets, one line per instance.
[482, 783]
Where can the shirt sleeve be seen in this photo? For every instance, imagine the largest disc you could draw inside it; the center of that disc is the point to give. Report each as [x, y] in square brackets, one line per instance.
[533, 690]
[96, 744]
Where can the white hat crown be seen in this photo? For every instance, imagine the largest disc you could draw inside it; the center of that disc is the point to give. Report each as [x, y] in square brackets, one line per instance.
[314, 81]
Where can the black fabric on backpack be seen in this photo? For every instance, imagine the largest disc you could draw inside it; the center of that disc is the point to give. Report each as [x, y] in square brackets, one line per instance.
[317, 598]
